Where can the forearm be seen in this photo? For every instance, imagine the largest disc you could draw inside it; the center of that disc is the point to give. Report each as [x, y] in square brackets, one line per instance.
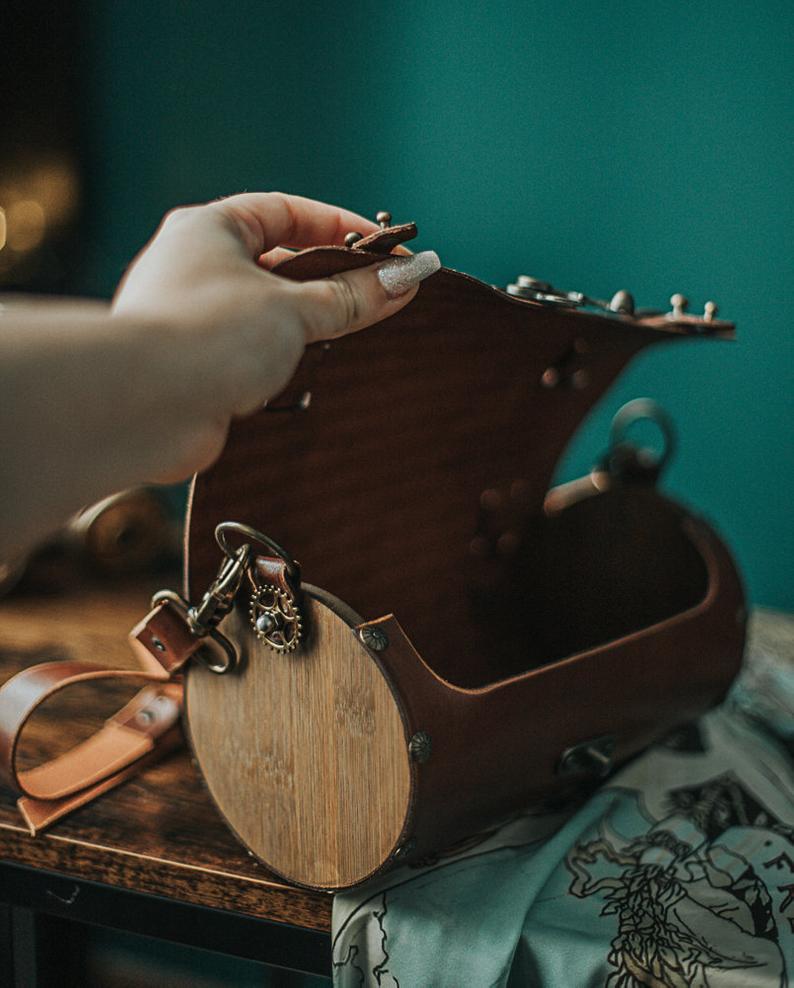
[89, 404]
[93, 400]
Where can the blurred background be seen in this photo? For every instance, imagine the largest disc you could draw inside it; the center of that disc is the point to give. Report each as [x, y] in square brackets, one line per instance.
[641, 145]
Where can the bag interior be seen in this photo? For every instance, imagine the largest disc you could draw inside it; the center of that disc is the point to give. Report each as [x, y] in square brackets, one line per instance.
[604, 567]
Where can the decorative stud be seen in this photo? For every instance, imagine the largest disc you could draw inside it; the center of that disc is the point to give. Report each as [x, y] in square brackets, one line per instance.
[537, 284]
[353, 238]
[508, 543]
[374, 638]
[264, 623]
[594, 758]
[679, 304]
[420, 747]
[479, 546]
[404, 849]
[550, 377]
[383, 219]
[580, 379]
[622, 302]
[709, 311]
[159, 645]
[275, 618]
[491, 499]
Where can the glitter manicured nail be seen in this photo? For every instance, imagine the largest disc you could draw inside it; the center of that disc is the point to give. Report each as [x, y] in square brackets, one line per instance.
[399, 275]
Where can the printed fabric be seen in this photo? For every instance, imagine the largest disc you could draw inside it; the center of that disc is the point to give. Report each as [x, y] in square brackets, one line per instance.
[679, 871]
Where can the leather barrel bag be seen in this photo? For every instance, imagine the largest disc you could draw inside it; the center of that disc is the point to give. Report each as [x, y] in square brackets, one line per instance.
[471, 642]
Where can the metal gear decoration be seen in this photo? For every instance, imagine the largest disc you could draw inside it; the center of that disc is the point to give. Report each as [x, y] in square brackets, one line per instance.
[275, 618]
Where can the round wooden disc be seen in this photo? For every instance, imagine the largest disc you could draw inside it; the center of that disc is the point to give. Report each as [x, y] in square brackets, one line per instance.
[305, 752]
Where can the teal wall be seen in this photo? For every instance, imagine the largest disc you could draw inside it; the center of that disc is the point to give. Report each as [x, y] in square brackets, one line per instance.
[640, 144]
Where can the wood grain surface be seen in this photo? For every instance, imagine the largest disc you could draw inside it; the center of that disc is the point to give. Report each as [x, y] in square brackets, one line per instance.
[158, 834]
[305, 753]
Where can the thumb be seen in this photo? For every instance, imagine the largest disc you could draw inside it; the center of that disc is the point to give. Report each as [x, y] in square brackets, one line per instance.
[350, 301]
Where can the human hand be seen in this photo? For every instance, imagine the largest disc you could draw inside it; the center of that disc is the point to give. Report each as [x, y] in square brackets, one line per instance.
[95, 401]
[204, 280]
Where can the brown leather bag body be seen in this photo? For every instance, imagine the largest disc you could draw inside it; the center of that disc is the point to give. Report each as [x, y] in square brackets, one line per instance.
[480, 642]
[537, 637]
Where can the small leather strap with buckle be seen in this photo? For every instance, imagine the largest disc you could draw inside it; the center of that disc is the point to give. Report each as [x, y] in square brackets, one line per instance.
[144, 730]
[147, 728]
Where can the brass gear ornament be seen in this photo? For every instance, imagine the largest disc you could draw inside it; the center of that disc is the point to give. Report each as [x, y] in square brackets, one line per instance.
[275, 618]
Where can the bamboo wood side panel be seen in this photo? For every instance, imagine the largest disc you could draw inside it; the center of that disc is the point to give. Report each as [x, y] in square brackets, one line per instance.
[304, 753]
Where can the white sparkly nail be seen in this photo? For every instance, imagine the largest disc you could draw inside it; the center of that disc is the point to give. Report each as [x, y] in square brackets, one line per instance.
[399, 275]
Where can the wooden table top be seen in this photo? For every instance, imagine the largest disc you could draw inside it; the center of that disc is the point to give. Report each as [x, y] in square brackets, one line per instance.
[158, 833]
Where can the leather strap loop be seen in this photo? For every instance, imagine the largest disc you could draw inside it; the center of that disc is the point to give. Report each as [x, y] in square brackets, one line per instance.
[384, 241]
[273, 570]
[143, 730]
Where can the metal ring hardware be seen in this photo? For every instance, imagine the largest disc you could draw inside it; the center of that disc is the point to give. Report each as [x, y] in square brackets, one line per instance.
[623, 457]
[227, 527]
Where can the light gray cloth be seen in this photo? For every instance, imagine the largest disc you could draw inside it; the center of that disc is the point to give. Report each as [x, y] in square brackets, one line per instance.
[679, 871]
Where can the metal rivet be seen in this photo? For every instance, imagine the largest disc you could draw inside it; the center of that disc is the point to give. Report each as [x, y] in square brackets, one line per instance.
[265, 623]
[156, 643]
[383, 219]
[404, 849]
[580, 379]
[521, 491]
[420, 747]
[374, 638]
[709, 311]
[353, 238]
[593, 758]
[145, 716]
[508, 543]
[679, 303]
[479, 546]
[550, 377]
[527, 281]
[491, 499]
[623, 302]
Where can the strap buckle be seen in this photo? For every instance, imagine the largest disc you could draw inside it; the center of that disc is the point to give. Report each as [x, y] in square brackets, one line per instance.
[219, 599]
[226, 650]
